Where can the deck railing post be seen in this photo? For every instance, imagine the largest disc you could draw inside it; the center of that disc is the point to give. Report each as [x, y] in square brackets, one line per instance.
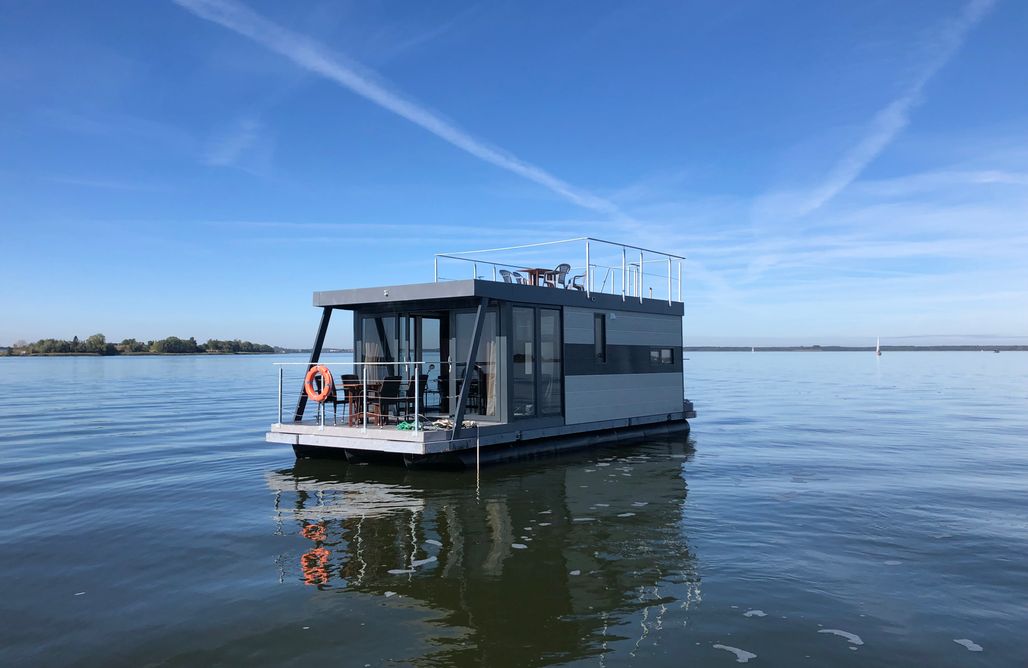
[588, 272]
[364, 401]
[640, 277]
[417, 393]
[280, 370]
[435, 268]
[474, 270]
[669, 280]
[494, 273]
[680, 280]
[624, 273]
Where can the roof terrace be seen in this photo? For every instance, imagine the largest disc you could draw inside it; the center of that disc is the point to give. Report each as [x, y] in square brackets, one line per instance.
[585, 264]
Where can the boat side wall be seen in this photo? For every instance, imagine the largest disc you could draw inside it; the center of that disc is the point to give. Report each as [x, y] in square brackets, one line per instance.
[629, 383]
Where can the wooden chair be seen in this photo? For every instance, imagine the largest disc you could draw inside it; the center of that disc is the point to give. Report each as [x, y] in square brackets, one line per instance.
[349, 388]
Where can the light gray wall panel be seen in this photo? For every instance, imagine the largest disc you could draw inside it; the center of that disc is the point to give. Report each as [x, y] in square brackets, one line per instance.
[590, 398]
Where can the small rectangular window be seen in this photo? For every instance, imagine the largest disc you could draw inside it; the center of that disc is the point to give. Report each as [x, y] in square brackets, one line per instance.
[600, 337]
[667, 356]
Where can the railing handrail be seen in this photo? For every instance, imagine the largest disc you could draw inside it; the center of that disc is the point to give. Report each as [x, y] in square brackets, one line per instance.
[550, 243]
[415, 377]
[396, 363]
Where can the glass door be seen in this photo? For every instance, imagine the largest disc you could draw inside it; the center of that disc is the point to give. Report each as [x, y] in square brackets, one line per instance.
[523, 363]
[537, 363]
[430, 347]
[485, 371]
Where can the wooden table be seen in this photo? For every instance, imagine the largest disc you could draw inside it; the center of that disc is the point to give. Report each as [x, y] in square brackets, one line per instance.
[355, 400]
[535, 274]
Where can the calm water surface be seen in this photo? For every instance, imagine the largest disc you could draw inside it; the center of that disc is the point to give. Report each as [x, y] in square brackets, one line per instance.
[828, 509]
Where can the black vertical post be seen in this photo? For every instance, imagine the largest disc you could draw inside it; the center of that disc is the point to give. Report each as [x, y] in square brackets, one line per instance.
[319, 342]
[458, 416]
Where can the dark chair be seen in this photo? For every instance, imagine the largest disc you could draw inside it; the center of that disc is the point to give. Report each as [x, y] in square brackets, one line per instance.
[519, 278]
[388, 398]
[421, 387]
[506, 276]
[345, 392]
[574, 282]
[556, 277]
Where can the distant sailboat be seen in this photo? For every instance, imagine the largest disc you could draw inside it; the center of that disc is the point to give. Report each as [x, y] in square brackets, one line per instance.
[878, 347]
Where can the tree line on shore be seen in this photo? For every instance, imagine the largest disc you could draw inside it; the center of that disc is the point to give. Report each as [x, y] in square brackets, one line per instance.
[97, 344]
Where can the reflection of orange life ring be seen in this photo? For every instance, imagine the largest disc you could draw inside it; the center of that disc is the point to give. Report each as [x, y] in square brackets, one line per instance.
[327, 384]
[315, 566]
[315, 532]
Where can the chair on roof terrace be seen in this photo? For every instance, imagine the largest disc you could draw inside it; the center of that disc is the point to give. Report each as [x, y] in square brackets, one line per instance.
[556, 277]
[519, 278]
[506, 276]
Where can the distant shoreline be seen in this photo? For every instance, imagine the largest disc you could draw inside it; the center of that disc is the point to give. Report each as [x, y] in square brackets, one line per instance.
[210, 354]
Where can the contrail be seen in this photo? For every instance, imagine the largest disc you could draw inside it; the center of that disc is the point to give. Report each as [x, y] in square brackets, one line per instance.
[895, 117]
[317, 58]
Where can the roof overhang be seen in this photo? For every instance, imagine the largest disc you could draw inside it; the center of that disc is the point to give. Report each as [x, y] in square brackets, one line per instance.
[453, 294]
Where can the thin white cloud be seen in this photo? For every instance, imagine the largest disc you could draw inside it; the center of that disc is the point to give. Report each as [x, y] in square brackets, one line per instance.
[106, 184]
[885, 125]
[227, 148]
[319, 59]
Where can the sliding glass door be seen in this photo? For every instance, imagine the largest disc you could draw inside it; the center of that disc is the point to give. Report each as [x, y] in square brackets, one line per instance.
[536, 363]
[483, 392]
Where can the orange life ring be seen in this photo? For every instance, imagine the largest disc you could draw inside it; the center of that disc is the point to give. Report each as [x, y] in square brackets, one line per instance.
[327, 384]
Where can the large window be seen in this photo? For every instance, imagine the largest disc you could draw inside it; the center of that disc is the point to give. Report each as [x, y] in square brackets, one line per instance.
[537, 362]
[550, 373]
[378, 336]
[523, 362]
[482, 391]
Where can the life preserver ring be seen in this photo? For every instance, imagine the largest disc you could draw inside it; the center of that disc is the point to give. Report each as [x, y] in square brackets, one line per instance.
[327, 384]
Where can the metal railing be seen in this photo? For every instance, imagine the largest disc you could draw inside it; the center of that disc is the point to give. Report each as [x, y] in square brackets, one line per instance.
[411, 373]
[611, 258]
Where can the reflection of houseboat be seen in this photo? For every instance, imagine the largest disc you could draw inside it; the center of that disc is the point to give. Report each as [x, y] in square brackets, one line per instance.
[566, 562]
[518, 359]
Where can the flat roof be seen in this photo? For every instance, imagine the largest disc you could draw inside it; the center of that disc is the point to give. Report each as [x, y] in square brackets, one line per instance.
[467, 291]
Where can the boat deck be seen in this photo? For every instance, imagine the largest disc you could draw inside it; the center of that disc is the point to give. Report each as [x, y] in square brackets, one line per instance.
[387, 438]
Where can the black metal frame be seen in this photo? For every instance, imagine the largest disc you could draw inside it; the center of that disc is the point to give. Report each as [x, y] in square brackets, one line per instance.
[458, 416]
[319, 343]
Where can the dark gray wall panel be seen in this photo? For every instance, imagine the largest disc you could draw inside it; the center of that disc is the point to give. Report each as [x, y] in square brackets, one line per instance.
[623, 327]
[580, 360]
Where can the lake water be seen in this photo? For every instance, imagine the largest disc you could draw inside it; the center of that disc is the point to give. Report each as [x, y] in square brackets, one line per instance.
[828, 509]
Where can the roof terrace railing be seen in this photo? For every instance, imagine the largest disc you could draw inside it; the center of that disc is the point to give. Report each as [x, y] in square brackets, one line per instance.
[634, 271]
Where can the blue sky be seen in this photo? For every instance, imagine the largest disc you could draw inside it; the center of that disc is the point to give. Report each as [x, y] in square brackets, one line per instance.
[833, 171]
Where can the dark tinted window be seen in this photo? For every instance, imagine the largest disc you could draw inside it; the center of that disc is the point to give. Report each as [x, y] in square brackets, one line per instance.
[600, 337]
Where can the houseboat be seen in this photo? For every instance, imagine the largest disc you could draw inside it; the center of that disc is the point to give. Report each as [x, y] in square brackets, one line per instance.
[507, 353]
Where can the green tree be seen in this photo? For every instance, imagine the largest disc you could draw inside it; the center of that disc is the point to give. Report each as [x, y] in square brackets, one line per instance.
[96, 343]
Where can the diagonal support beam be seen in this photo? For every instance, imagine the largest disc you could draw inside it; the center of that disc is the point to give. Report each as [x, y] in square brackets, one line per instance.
[458, 416]
[319, 342]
